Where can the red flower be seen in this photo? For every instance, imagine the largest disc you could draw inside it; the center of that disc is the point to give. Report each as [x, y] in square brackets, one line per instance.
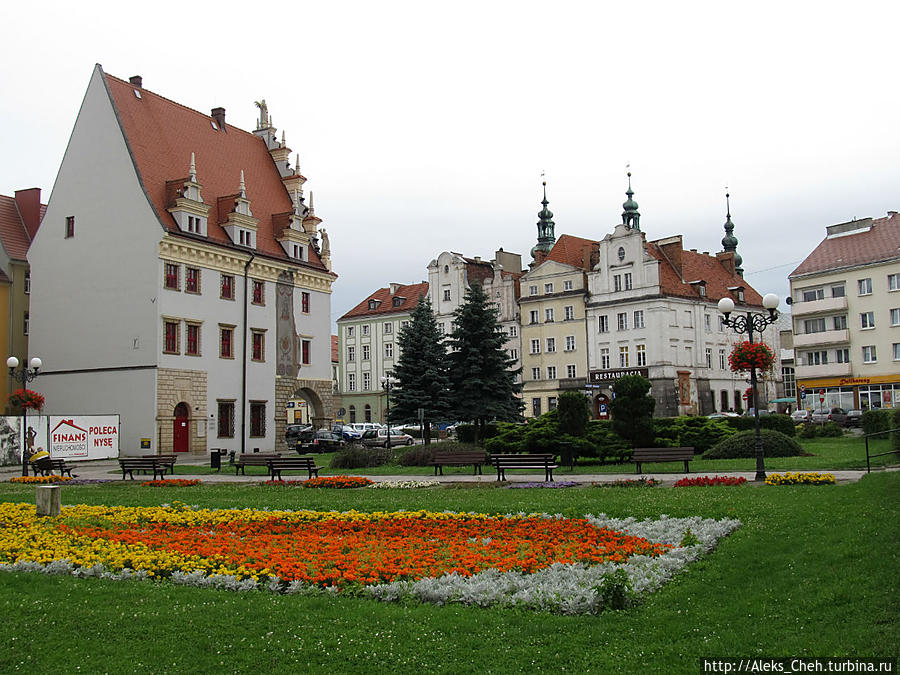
[750, 355]
[25, 398]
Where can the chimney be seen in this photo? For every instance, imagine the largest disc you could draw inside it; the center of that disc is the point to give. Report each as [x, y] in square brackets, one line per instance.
[29, 204]
[674, 253]
[726, 259]
[394, 287]
[218, 114]
[136, 80]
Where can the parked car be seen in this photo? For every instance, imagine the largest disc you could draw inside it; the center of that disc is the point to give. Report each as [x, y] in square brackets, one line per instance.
[836, 415]
[720, 415]
[320, 441]
[854, 418]
[292, 433]
[363, 427]
[379, 438]
[801, 415]
[348, 433]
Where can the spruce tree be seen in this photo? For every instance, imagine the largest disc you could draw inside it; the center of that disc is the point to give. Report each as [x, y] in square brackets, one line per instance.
[632, 410]
[421, 369]
[483, 384]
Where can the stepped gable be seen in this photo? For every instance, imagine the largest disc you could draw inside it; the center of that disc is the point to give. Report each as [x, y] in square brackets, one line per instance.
[878, 243]
[410, 295]
[162, 134]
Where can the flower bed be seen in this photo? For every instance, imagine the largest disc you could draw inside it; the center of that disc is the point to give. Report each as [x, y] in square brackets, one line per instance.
[798, 478]
[537, 561]
[632, 483]
[40, 479]
[337, 482]
[554, 484]
[171, 482]
[706, 481]
[403, 484]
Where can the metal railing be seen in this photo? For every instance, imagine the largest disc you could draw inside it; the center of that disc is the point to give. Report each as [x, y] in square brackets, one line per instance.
[880, 454]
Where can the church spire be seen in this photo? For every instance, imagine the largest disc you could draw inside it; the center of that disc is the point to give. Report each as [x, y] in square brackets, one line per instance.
[729, 241]
[631, 217]
[545, 225]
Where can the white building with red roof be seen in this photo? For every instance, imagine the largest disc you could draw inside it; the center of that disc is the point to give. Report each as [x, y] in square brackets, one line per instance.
[846, 314]
[20, 217]
[182, 280]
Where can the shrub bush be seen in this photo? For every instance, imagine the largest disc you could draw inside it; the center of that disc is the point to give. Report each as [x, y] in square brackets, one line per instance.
[782, 423]
[831, 430]
[352, 457]
[874, 421]
[700, 433]
[895, 437]
[743, 444]
[606, 443]
[465, 433]
[417, 455]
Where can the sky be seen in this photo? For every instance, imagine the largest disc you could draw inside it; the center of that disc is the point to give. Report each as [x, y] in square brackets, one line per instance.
[423, 127]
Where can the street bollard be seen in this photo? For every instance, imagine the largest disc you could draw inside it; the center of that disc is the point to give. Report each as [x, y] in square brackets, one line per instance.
[48, 500]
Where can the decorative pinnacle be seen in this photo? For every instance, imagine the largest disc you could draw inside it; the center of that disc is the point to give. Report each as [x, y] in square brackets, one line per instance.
[297, 163]
[193, 173]
[243, 187]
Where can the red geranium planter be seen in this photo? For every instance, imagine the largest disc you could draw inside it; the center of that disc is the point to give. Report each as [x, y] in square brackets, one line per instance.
[25, 398]
[749, 355]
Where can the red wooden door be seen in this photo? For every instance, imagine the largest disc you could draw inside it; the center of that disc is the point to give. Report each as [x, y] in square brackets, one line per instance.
[181, 431]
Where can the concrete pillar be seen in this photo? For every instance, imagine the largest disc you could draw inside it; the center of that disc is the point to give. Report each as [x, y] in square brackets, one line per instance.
[48, 500]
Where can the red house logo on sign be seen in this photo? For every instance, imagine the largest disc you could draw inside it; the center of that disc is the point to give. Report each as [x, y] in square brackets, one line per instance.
[68, 440]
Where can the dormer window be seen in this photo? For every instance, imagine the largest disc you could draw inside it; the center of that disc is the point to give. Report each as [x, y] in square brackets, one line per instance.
[700, 285]
[398, 301]
[373, 304]
[185, 200]
[738, 292]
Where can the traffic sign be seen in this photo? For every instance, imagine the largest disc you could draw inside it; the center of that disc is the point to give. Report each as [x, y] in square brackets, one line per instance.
[821, 396]
[802, 394]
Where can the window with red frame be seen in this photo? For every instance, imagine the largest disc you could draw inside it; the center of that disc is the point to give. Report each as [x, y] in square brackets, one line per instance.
[226, 419]
[259, 293]
[304, 302]
[259, 342]
[304, 348]
[192, 280]
[172, 276]
[193, 339]
[227, 291]
[171, 337]
[257, 419]
[226, 343]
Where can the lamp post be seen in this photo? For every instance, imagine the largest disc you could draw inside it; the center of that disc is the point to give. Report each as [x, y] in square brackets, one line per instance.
[388, 383]
[23, 375]
[747, 323]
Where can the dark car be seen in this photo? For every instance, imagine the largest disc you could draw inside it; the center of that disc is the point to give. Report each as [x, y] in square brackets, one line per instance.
[854, 418]
[320, 441]
[292, 433]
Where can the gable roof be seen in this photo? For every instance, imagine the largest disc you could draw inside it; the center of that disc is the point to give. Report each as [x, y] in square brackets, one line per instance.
[13, 232]
[570, 250]
[162, 134]
[410, 295]
[878, 243]
[697, 267]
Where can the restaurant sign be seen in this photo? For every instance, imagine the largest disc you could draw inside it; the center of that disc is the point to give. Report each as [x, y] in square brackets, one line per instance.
[609, 376]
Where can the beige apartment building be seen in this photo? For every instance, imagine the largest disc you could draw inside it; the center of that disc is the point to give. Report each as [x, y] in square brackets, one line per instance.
[846, 315]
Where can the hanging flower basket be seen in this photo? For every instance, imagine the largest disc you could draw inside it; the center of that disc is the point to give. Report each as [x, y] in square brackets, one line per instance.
[25, 398]
[746, 355]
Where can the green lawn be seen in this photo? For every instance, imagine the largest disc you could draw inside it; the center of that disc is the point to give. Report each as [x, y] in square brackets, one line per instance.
[812, 572]
[848, 452]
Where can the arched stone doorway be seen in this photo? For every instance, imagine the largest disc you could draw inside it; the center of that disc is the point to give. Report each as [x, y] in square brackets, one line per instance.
[181, 430]
[316, 393]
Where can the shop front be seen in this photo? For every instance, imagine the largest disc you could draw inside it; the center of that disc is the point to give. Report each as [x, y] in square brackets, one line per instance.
[865, 393]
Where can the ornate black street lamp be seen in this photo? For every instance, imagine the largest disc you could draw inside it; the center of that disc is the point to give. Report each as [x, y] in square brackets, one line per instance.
[23, 375]
[388, 383]
[747, 323]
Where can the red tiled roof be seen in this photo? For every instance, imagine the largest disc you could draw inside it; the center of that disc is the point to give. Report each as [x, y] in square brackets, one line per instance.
[12, 228]
[162, 135]
[569, 249]
[410, 295]
[334, 348]
[880, 243]
[699, 267]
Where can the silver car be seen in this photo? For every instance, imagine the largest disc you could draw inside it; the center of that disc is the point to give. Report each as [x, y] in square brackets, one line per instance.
[379, 438]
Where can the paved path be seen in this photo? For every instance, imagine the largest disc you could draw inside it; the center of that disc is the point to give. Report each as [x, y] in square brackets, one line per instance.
[109, 470]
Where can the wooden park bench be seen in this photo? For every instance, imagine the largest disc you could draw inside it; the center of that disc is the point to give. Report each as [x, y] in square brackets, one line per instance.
[542, 461]
[167, 460]
[642, 455]
[48, 465]
[279, 464]
[444, 458]
[131, 464]
[253, 459]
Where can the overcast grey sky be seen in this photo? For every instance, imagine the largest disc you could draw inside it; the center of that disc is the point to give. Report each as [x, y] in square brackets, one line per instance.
[424, 127]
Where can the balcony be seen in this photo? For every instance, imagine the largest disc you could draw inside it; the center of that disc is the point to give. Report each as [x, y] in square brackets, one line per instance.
[827, 337]
[816, 372]
[819, 306]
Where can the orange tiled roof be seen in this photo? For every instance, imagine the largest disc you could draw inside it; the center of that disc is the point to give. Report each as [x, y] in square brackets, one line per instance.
[880, 243]
[162, 135]
[12, 229]
[410, 295]
[697, 267]
[569, 249]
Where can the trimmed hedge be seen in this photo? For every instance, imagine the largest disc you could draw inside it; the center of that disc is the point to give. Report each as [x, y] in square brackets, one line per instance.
[874, 421]
[465, 433]
[743, 444]
[782, 423]
[700, 433]
[354, 457]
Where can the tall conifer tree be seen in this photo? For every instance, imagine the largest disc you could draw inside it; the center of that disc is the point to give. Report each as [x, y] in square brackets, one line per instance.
[483, 382]
[422, 371]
